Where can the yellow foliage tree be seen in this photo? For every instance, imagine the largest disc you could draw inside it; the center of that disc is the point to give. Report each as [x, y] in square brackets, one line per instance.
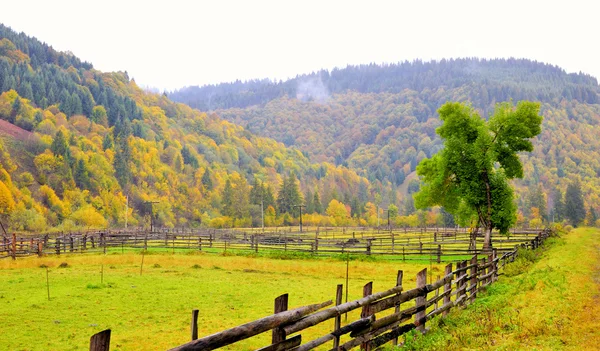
[7, 203]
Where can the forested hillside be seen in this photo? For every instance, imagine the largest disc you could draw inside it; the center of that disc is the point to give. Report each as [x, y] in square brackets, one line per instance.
[76, 143]
[380, 121]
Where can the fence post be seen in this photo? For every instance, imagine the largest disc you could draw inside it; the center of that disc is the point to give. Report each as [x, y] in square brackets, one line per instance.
[473, 285]
[494, 265]
[14, 246]
[447, 288]
[194, 326]
[490, 268]
[57, 246]
[281, 304]
[366, 312]
[421, 301]
[439, 254]
[397, 309]
[338, 319]
[100, 341]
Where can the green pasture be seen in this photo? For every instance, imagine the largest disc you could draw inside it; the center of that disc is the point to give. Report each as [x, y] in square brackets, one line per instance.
[152, 311]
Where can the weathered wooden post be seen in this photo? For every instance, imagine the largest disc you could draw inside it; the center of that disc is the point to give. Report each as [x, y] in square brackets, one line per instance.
[366, 311]
[494, 265]
[338, 319]
[14, 246]
[397, 308]
[439, 254]
[421, 301]
[473, 285]
[447, 288]
[281, 305]
[71, 243]
[57, 246]
[100, 341]
[194, 325]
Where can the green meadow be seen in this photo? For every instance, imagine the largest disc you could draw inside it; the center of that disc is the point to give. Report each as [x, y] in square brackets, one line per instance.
[152, 310]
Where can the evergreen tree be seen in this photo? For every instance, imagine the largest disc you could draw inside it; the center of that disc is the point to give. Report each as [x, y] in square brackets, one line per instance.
[15, 110]
[356, 208]
[574, 207]
[121, 162]
[227, 202]
[559, 206]
[81, 176]
[592, 216]
[59, 145]
[308, 198]
[289, 195]
[241, 199]
[269, 199]
[38, 117]
[317, 203]
[108, 142]
[206, 181]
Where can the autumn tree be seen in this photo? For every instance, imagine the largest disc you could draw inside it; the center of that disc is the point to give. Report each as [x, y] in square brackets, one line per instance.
[469, 176]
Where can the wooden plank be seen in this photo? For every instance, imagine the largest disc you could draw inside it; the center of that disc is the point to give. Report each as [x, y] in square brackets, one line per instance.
[281, 304]
[284, 345]
[366, 311]
[100, 341]
[420, 300]
[250, 329]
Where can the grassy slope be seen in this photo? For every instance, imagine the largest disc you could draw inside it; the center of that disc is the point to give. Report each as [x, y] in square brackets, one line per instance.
[152, 311]
[554, 305]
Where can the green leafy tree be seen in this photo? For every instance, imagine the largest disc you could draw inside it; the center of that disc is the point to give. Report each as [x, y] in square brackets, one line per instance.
[574, 207]
[469, 176]
[121, 162]
[206, 181]
[15, 110]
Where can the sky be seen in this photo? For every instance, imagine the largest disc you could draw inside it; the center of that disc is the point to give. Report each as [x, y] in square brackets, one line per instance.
[172, 44]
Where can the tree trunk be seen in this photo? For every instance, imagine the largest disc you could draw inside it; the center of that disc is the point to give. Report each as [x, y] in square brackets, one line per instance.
[487, 243]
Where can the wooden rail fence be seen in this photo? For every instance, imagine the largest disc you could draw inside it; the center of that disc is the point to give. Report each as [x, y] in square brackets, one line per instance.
[439, 244]
[384, 317]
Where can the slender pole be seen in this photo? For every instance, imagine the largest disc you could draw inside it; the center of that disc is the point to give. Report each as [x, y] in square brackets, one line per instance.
[47, 283]
[262, 208]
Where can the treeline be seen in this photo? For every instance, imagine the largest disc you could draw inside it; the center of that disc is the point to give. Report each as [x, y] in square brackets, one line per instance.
[497, 80]
[81, 143]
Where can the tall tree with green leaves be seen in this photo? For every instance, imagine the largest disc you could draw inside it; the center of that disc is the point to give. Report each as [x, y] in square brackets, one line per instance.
[227, 201]
[469, 176]
[318, 207]
[574, 207]
[558, 213]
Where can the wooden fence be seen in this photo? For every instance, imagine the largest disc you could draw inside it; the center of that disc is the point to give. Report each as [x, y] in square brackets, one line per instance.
[384, 315]
[439, 244]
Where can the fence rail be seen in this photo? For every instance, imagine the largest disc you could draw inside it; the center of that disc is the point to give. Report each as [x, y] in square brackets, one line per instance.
[439, 244]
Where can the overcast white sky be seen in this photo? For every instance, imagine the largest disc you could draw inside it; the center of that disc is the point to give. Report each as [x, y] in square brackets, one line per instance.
[171, 44]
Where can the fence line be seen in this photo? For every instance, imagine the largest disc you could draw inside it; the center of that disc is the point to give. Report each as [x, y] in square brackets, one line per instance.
[458, 287]
[439, 244]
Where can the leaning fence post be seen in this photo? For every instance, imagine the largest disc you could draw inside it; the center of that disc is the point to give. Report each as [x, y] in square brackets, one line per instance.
[281, 304]
[421, 301]
[100, 341]
[447, 288]
[473, 285]
[194, 326]
[338, 319]
[366, 312]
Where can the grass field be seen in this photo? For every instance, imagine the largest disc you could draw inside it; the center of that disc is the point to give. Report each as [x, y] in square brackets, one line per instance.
[553, 305]
[152, 311]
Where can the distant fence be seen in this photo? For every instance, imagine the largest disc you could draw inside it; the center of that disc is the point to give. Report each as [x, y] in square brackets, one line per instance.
[436, 244]
[458, 287]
